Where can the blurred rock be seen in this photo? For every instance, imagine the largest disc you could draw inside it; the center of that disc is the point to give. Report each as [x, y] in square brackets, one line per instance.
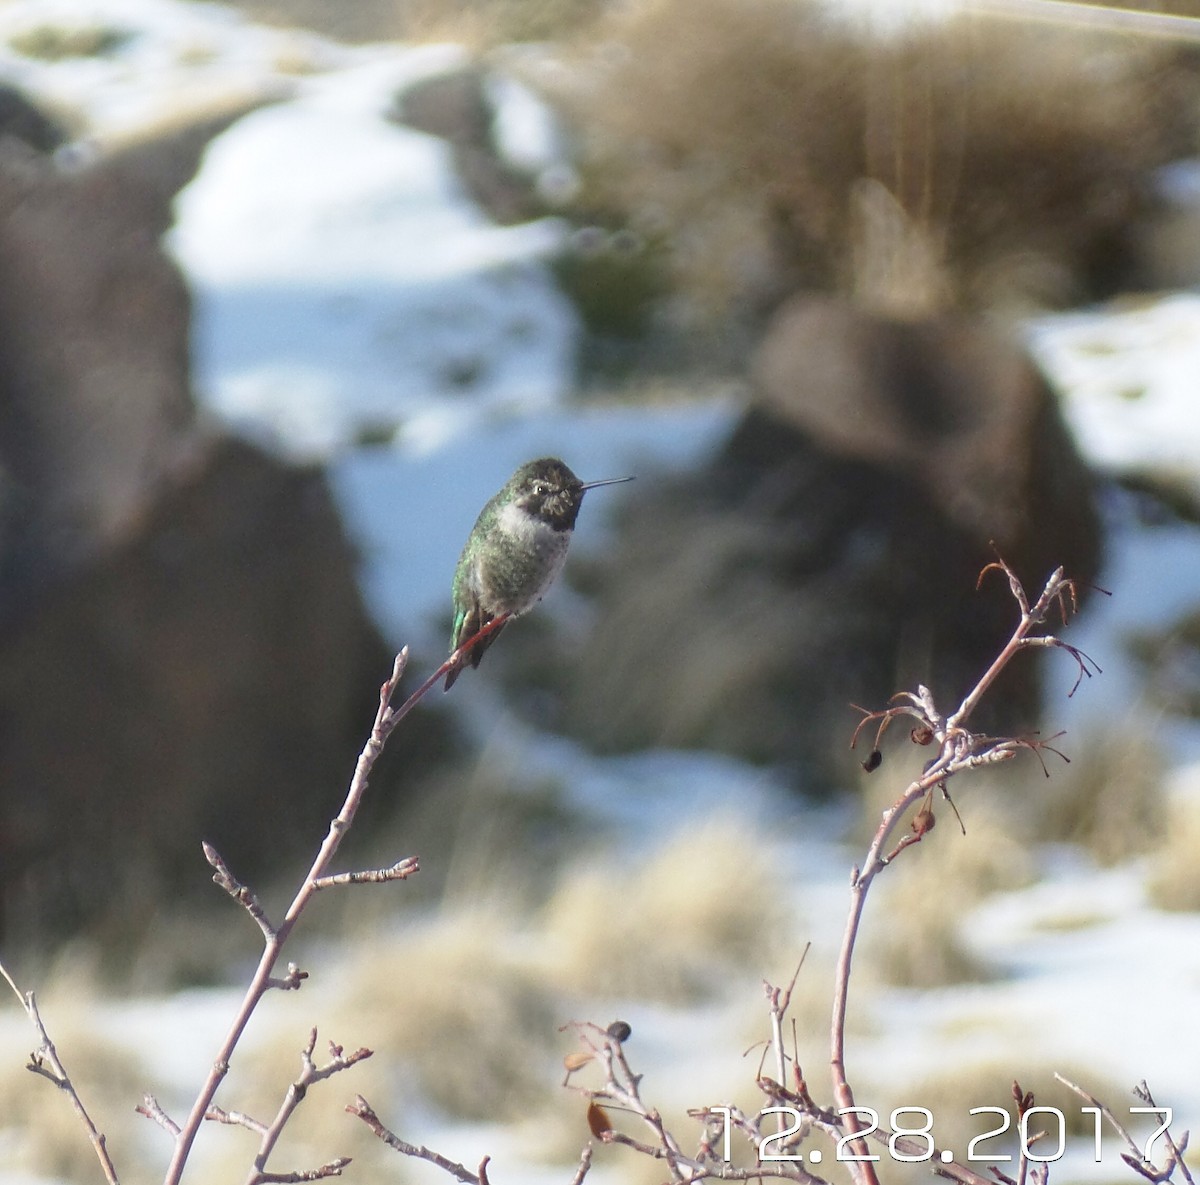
[96, 417]
[829, 554]
[211, 678]
[22, 120]
[456, 107]
[184, 652]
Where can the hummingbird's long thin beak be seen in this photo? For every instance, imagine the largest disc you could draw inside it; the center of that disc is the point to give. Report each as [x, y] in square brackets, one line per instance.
[608, 481]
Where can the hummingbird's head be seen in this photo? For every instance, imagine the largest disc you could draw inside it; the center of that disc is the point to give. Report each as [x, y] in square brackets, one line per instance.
[548, 490]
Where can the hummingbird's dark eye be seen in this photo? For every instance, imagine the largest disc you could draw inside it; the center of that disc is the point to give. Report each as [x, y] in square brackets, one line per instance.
[541, 488]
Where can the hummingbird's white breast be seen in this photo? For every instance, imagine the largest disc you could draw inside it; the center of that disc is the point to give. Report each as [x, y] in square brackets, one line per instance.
[534, 556]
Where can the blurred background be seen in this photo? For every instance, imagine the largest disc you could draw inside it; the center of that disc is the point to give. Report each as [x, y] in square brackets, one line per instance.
[863, 293]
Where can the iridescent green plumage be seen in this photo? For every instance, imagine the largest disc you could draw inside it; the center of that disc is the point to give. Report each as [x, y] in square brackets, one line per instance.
[514, 552]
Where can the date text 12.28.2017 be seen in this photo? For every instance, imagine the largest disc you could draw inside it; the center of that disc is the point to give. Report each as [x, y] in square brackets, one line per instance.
[1042, 1132]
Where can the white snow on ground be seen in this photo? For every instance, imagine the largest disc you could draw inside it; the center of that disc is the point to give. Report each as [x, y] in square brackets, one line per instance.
[344, 281]
[346, 286]
[165, 58]
[1130, 381]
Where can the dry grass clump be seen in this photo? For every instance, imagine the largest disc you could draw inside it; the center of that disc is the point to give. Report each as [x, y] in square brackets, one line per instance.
[477, 23]
[471, 1024]
[39, 1130]
[951, 1095]
[918, 937]
[486, 23]
[960, 164]
[54, 43]
[1170, 656]
[1110, 801]
[706, 901]
[1174, 880]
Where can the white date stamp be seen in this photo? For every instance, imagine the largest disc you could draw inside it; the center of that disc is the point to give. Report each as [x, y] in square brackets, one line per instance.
[1041, 1132]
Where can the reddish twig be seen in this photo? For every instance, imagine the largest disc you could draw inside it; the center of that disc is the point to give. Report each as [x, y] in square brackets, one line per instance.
[779, 999]
[957, 751]
[318, 877]
[386, 719]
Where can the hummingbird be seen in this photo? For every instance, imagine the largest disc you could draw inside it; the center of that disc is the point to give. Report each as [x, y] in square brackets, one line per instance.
[514, 551]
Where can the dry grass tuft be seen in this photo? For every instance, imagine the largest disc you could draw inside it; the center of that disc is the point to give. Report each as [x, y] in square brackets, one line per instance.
[471, 1025]
[479, 24]
[950, 1096]
[55, 43]
[1174, 881]
[39, 1131]
[917, 938]
[1110, 801]
[968, 164]
[669, 930]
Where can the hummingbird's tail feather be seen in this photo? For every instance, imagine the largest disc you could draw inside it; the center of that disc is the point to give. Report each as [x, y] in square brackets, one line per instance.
[472, 649]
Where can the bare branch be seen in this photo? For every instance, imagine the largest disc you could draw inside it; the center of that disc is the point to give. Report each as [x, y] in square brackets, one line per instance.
[1092, 1101]
[362, 1109]
[622, 1090]
[386, 719]
[332, 1169]
[151, 1109]
[290, 982]
[1142, 1090]
[45, 1062]
[399, 871]
[244, 896]
[779, 1000]
[585, 1163]
[309, 1074]
[1087, 665]
[958, 750]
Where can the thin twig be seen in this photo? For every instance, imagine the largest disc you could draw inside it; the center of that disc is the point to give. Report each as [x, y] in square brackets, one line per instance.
[244, 896]
[290, 982]
[399, 871]
[958, 750]
[585, 1163]
[152, 1109]
[309, 1074]
[385, 722]
[217, 1114]
[45, 1062]
[622, 1091]
[1142, 1090]
[362, 1109]
[332, 1169]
